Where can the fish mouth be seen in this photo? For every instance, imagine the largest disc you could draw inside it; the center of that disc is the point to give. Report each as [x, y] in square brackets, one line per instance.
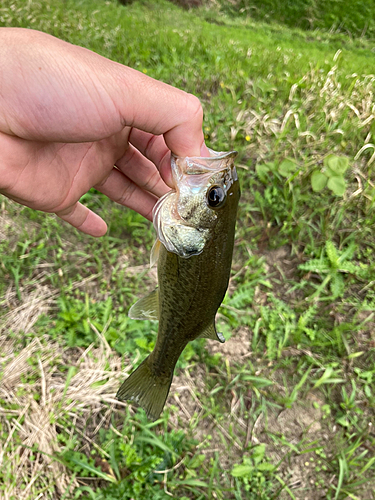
[200, 165]
[216, 156]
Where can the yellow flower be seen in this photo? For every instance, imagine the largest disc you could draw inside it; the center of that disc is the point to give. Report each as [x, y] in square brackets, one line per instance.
[248, 138]
[144, 70]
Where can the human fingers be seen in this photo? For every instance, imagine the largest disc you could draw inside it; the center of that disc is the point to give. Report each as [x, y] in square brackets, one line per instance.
[83, 219]
[119, 188]
[143, 170]
[154, 148]
[161, 109]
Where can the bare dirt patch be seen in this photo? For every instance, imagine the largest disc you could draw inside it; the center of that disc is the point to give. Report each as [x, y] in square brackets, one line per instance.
[235, 349]
[282, 267]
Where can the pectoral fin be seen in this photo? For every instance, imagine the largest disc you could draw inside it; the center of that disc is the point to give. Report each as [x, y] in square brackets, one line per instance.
[146, 308]
[211, 333]
[155, 252]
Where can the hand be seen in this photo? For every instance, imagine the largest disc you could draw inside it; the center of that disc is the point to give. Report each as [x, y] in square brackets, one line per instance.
[71, 120]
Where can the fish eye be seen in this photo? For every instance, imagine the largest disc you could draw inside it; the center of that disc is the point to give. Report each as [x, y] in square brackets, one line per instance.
[216, 196]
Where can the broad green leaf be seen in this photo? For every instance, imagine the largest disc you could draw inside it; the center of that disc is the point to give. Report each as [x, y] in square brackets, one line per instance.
[242, 470]
[318, 180]
[287, 168]
[266, 467]
[366, 375]
[337, 184]
[258, 453]
[337, 165]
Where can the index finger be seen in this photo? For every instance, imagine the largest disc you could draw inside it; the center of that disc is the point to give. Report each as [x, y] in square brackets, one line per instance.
[160, 109]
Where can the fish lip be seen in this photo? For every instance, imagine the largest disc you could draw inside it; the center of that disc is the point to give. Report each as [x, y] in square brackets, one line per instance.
[217, 156]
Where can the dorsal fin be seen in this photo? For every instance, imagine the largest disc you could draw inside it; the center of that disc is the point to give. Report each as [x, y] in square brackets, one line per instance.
[146, 307]
[211, 333]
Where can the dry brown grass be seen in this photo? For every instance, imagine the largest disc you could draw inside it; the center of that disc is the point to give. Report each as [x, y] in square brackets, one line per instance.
[318, 109]
[40, 396]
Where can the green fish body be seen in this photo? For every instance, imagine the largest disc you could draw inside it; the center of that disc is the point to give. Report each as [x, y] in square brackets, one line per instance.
[196, 228]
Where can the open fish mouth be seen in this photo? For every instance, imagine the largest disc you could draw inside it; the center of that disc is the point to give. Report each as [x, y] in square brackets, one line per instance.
[192, 174]
[198, 165]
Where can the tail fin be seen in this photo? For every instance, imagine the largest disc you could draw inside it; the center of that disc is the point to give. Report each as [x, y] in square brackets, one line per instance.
[146, 390]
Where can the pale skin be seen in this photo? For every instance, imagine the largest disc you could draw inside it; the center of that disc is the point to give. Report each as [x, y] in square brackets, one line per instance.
[71, 120]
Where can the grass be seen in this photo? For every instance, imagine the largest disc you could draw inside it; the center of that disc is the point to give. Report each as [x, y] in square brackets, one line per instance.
[285, 408]
[355, 19]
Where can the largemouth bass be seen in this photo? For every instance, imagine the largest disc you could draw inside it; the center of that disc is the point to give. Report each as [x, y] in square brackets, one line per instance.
[195, 225]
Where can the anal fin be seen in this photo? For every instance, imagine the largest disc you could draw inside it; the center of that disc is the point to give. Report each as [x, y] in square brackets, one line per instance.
[146, 307]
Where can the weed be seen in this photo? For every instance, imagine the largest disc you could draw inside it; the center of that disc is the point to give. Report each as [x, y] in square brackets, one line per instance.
[332, 176]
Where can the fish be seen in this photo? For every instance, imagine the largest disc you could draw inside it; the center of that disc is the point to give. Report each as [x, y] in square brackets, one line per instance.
[195, 226]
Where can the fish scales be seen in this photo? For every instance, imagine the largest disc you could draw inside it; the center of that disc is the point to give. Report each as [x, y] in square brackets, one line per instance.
[191, 288]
